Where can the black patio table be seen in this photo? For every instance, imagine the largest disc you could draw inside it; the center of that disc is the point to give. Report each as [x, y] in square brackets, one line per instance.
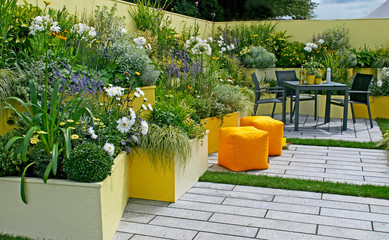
[315, 87]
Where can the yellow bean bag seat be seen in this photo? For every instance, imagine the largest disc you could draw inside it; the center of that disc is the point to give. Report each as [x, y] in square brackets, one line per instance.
[243, 148]
[274, 127]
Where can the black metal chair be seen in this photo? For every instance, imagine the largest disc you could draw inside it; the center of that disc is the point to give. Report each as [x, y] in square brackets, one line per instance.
[260, 91]
[290, 93]
[359, 94]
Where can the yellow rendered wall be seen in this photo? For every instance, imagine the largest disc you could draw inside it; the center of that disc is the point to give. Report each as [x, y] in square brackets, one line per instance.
[369, 32]
[87, 6]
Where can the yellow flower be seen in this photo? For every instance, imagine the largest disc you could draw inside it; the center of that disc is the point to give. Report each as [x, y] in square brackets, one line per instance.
[47, 3]
[62, 123]
[70, 120]
[41, 132]
[255, 35]
[74, 137]
[34, 141]
[77, 123]
[97, 119]
[190, 87]
[72, 128]
[137, 73]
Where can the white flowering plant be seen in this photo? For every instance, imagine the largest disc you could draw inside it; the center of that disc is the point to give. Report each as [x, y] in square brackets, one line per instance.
[123, 124]
[380, 86]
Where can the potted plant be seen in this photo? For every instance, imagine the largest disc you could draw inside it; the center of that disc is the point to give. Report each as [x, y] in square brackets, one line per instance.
[319, 78]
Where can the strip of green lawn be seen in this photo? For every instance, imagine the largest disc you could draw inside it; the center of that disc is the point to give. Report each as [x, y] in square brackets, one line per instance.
[296, 184]
[9, 237]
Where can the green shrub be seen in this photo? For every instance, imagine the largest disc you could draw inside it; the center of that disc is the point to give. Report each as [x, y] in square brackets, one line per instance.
[10, 166]
[233, 98]
[293, 55]
[336, 38]
[88, 163]
[203, 107]
[42, 159]
[259, 57]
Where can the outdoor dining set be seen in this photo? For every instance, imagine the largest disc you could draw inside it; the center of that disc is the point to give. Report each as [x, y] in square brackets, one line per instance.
[289, 87]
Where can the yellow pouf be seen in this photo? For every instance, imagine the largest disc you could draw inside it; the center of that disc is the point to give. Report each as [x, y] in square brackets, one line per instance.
[274, 127]
[243, 148]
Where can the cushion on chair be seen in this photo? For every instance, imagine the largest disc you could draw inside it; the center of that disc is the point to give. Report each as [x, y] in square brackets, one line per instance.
[274, 127]
[243, 148]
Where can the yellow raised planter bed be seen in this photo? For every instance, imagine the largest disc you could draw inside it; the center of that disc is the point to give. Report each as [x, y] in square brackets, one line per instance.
[213, 125]
[148, 181]
[63, 209]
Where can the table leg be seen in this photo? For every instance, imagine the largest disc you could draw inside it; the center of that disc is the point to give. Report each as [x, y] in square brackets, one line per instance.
[328, 107]
[284, 106]
[297, 110]
[345, 110]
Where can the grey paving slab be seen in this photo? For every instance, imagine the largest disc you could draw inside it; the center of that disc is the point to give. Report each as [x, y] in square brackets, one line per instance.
[137, 217]
[322, 203]
[213, 236]
[202, 198]
[222, 228]
[379, 217]
[271, 205]
[156, 231]
[351, 233]
[381, 227]
[344, 198]
[235, 194]
[284, 235]
[281, 192]
[122, 236]
[207, 207]
[320, 219]
[264, 223]
[163, 211]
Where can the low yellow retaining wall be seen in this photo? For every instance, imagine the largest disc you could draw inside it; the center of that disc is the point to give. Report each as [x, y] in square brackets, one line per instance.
[213, 125]
[151, 181]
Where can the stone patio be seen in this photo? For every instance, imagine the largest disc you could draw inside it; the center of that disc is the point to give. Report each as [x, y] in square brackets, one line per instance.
[211, 211]
[316, 129]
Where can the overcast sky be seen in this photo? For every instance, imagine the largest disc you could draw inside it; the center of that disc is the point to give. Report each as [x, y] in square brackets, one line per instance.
[345, 9]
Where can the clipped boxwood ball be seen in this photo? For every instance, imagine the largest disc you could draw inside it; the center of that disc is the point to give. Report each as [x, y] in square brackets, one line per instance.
[88, 163]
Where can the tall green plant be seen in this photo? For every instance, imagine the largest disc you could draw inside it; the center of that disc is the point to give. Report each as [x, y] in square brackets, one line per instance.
[338, 70]
[7, 8]
[148, 15]
[45, 126]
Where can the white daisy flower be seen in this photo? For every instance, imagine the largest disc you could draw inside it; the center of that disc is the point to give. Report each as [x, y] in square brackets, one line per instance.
[109, 148]
[379, 83]
[308, 49]
[94, 136]
[150, 107]
[90, 130]
[92, 32]
[123, 30]
[140, 41]
[145, 127]
[321, 41]
[124, 125]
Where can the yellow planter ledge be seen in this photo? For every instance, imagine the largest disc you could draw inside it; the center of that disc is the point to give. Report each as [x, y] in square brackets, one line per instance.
[63, 209]
[213, 125]
[152, 182]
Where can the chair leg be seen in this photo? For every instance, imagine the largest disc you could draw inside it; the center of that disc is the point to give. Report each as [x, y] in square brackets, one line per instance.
[291, 110]
[274, 108]
[315, 105]
[352, 112]
[368, 110]
[255, 109]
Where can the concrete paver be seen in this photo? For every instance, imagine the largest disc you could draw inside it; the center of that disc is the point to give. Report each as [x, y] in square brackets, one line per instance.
[282, 214]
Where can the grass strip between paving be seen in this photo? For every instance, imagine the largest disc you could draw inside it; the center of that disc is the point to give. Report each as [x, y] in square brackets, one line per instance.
[334, 143]
[296, 184]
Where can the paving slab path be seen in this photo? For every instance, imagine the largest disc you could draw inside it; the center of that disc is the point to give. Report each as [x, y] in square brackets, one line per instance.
[211, 211]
